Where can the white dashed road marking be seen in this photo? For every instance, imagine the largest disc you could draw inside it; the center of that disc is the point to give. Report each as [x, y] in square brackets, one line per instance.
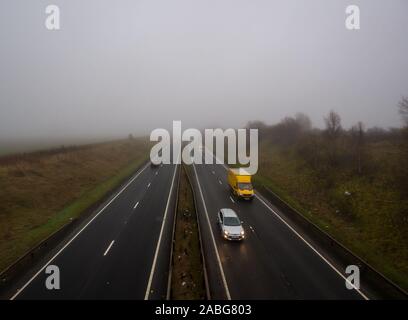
[110, 246]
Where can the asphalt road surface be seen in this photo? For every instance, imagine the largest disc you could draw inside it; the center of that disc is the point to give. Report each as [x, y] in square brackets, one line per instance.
[273, 262]
[121, 252]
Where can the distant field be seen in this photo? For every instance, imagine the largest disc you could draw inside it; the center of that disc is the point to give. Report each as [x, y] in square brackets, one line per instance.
[371, 220]
[41, 191]
[7, 147]
[14, 146]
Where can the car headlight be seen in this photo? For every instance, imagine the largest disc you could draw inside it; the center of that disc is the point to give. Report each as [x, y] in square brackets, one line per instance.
[242, 232]
[226, 232]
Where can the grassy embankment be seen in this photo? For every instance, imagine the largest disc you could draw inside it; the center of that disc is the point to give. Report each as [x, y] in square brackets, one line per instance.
[372, 221]
[42, 191]
[187, 277]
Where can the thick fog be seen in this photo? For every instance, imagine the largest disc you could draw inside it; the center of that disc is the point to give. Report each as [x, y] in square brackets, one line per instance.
[120, 67]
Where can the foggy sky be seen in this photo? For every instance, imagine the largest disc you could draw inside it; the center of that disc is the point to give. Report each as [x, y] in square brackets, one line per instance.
[117, 67]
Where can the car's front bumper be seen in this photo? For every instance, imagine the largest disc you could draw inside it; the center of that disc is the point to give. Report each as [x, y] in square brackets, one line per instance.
[246, 196]
[234, 237]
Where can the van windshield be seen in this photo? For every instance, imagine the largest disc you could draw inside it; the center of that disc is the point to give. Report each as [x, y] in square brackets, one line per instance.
[231, 221]
[245, 186]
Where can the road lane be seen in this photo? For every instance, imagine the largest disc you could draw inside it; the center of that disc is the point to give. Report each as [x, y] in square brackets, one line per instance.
[89, 270]
[272, 262]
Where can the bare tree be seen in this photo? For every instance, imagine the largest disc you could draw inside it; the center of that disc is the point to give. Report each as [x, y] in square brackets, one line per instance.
[357, 134]
[256, 124]
[303, 121]
[333, 131]
[403, 109]
[333, 125]
[402, 178]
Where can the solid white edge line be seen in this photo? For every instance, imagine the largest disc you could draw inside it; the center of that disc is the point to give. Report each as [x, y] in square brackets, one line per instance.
[76, 235]
[304, 240]
[110, 246]
[310, 246]
[224, 280]
[149, 283]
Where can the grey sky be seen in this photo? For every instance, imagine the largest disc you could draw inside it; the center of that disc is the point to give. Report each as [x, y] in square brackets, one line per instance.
[130, 66]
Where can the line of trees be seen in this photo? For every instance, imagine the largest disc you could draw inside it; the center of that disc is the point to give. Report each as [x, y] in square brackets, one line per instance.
[335, 148]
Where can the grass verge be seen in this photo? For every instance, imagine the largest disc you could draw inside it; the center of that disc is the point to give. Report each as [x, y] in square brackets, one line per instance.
[41, 192]
[368, 221]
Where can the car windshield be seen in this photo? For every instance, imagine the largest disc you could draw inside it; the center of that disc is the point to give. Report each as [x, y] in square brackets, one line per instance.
[232, 221]
[245, 186]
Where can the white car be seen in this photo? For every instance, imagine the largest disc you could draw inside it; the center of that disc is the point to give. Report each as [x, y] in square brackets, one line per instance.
[231, 226]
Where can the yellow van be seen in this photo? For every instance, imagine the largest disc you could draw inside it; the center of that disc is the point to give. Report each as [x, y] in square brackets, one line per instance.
[240, 183]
